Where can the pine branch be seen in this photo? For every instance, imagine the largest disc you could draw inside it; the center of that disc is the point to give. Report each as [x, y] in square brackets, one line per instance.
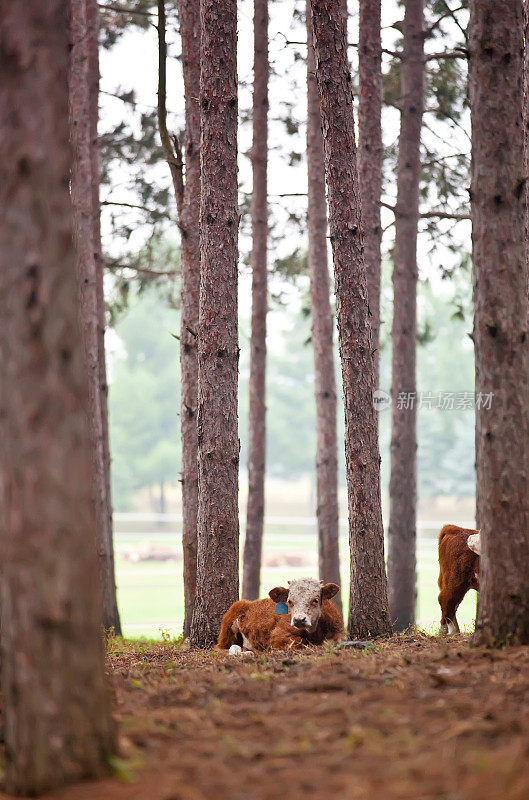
[170, 144]
[459, 52]
[440, 159]
[392, 53]
[444, 215]
[433, 214]
[133, 103]
[425, 215]
[452, 12]
[448, 13]
[288, 41]
[453, 121]
[152, 273]
[154, 212]
[124, 10]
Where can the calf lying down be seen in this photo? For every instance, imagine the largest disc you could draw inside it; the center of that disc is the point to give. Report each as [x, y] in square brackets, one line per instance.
[289, 618]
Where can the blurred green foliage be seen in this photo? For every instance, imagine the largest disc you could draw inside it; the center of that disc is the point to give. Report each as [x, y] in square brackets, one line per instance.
[144, 394]
[144, 399]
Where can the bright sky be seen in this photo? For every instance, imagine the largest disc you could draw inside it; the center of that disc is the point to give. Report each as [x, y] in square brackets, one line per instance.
[132, 64]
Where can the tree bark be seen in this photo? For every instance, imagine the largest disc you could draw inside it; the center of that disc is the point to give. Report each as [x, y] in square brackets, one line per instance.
[403, 481]
[56, 714]
[370, 155]
[257, 384]
[84, 93]
[499, 218]
[110, 607]
[218, 354]
[322, 335]
[368, 604]
[187, 195]
[189, 16]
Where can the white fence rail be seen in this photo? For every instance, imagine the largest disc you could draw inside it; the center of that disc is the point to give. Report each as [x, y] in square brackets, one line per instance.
[309, 522]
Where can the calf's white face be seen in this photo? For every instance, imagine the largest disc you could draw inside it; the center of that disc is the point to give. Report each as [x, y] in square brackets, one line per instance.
[303, 598]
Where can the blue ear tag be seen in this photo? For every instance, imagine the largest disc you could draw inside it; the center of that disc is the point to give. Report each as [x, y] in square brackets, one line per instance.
[281, 608]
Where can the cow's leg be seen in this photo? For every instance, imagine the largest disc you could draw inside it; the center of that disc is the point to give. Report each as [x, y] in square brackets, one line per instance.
[442, 598]
[281, 639]
[229, 634]
[243, 645]
[229, 630]
[449, 600]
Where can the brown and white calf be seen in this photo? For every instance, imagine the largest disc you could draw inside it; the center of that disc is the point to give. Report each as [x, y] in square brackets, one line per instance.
[459, 550]
[309, 618]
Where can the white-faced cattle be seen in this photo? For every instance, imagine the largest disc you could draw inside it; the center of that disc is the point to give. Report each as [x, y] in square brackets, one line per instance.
[292, 617]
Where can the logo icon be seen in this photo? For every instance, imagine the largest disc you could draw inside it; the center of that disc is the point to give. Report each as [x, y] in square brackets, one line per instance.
[381, 400]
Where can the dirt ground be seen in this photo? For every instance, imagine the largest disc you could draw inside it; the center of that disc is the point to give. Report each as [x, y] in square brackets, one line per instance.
[412, 717]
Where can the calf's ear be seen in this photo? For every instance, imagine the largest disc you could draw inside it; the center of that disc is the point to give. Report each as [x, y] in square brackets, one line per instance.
[328, 590]
[279, 594]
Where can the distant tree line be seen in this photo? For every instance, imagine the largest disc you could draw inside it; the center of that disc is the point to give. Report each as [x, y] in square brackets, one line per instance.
[144, 436]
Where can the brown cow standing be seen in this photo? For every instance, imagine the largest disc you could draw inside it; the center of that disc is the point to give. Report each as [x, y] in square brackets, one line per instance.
[458, 572]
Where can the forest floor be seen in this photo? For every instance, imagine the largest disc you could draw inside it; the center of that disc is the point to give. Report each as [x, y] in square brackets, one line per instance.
[411, 717]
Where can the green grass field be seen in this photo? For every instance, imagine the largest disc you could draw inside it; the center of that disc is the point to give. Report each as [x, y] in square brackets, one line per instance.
[150, 593]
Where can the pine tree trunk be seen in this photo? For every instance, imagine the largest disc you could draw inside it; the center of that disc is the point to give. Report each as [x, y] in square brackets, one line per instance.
[85, 201]
[370, 155]
[189, 16]
[499, 219]
[322, 335]
[218, 354]
[111, 617]
[257, 407]
[368, 604]
[403, 481]
[56, 715]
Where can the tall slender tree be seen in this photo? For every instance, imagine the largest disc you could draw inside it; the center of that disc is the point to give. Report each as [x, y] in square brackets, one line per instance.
[403, 481]
[187, 191]
[322, 334]
[501, 317]
[368, 604]
[84, 188]
[257, 384]
[370, 154]
[110, 607]
[56, 714]
[189, 15]
[218, 353]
